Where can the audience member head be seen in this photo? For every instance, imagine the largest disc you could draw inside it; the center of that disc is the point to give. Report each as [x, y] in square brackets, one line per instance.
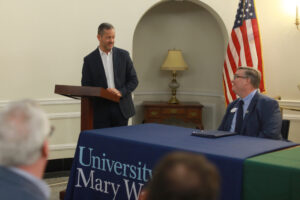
[183, 176]
[24, 128]
[246, 79]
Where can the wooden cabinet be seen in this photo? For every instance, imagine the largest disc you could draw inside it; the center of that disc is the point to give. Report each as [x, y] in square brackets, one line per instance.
[162, 112]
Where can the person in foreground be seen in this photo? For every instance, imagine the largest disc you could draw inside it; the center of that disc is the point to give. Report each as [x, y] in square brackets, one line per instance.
[183, 176]
[111, 68]
[24, 129]
[253, 114]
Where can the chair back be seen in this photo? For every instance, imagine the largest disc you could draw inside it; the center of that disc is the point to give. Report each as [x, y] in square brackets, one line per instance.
[285, 128]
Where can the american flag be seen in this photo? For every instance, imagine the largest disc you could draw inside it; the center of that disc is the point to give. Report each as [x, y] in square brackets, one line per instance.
[244, 48]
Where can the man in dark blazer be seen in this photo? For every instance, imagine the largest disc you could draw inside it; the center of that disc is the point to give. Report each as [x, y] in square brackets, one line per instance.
[111, 68]
[260, 114]
[24, 131]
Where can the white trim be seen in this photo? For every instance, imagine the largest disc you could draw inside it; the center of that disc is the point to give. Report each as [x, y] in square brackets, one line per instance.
[209, 94]
[291, 117]
[3, 103]
[291, 103]
[58, 101]
[54, 101]
[62, 147]
[64, 115]
[151, 93]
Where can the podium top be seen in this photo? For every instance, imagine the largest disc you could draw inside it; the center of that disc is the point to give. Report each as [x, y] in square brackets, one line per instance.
[85, 91]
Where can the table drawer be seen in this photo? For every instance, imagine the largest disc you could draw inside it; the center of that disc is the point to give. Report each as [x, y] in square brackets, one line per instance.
[173, 111]
[153, 113]
[186, 114]
[193, 113]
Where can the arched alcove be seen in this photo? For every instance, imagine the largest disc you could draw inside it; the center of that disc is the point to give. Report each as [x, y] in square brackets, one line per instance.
[192, 28]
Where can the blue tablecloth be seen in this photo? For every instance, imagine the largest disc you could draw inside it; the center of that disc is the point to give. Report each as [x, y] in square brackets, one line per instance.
[115, 163]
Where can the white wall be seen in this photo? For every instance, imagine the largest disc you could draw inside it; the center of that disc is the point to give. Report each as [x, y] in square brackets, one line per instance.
[43, 43]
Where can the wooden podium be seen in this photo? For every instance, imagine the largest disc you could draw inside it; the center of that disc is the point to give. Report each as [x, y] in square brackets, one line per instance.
[86, 94]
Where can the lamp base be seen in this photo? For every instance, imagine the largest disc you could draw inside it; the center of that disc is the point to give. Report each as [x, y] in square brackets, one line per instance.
[173, 100]
[173, 85]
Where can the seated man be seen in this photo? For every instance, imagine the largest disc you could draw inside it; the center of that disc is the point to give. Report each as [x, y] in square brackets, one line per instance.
[253, 114]
[183, 176]
[24, 129]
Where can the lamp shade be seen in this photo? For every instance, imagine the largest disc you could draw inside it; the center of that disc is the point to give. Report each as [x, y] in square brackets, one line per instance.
[174, 61]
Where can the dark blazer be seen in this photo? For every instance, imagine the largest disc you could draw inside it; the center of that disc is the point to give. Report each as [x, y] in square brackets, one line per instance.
[125, 78]
[15, 187]
[262, 119]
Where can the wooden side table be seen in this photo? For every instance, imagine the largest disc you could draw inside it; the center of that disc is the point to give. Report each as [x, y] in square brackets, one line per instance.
[162, 112]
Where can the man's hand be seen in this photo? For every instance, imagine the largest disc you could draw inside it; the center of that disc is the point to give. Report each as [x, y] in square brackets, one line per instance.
[114, 91]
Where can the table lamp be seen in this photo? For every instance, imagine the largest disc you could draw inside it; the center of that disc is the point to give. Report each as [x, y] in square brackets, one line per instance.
[174, 62]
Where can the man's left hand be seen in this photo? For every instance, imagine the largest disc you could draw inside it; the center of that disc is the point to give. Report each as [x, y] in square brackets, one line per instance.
[114, 91]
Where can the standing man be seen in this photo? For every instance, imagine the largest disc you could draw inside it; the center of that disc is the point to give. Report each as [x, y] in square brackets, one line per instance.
[110, 67]
[24, 129]
[253, 114]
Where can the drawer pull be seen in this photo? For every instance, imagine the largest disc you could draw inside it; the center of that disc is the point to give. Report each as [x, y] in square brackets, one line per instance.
[154, 113]
[173, 111]
[193, 114]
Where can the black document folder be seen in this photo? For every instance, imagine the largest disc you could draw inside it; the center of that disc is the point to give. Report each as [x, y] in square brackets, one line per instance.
[212, 133]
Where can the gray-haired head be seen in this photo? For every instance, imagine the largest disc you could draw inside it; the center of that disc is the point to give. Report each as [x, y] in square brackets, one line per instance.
[24, 127]
[253, 74]
[104, 26]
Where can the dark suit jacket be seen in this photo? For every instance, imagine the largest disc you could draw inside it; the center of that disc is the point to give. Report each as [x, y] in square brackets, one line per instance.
[263, 118]
[125, 78]
[15, 187]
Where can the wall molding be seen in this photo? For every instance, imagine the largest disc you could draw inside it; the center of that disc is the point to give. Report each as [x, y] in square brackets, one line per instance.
[206, 94]
[54, 101]
[62, 147]
[292, 117]
[67, 101]
[58, 101]
[62, 101]
[292, 103]
[64, 115]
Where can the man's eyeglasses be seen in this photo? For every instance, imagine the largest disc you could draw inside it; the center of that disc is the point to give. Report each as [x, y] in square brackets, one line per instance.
[238, 76]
